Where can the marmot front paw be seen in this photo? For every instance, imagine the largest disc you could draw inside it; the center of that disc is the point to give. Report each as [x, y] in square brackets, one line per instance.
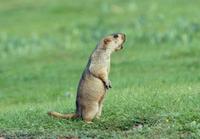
[108, 84]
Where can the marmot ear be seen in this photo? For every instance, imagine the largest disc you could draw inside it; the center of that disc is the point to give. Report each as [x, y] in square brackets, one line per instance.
[106, 41]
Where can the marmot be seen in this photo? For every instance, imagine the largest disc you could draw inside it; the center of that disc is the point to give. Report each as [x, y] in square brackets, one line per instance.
[94, 82]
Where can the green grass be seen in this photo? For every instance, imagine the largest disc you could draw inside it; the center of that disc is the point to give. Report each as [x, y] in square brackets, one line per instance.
[44, 47]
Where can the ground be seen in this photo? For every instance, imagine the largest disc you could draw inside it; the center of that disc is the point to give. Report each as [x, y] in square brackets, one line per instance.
[44, 47]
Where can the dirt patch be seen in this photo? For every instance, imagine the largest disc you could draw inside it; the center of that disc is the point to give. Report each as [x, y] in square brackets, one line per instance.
[70, 137]
[137, 123]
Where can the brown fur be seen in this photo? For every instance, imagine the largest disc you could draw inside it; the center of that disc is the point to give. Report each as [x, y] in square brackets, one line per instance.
[94, 82]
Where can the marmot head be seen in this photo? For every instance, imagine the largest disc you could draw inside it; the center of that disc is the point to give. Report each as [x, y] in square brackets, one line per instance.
[113, 42]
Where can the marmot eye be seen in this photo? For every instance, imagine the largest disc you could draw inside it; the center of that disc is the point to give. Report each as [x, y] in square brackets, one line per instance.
[115, 36]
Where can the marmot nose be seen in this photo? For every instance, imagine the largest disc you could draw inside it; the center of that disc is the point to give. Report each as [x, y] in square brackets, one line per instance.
[123, 37]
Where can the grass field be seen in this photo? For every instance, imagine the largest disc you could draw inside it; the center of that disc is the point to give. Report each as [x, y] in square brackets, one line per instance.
[44, 47]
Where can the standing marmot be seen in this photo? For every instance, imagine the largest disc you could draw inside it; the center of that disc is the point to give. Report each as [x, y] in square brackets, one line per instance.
[94, 81]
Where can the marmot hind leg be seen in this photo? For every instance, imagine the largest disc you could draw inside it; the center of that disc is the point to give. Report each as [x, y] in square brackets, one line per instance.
[89, 112]
[100, 108]
[98, 115]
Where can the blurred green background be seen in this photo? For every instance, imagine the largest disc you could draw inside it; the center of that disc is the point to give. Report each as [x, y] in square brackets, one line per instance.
[45, 45]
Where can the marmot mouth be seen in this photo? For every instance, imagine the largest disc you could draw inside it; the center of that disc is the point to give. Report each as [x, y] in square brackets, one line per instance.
[121, 46]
